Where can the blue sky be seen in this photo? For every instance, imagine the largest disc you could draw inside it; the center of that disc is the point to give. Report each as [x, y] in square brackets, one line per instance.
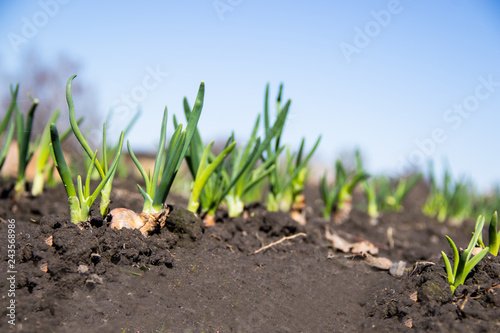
[406, 81]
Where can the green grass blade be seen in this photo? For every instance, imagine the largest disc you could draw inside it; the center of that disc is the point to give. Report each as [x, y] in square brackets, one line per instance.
[7, 119]
[74, 126]
[104, 149]
[110, 173]
[205, 172]
[196, 142]
[84, 207]
[11, 123]
[139, 166]
[199, 181]
[358, 177]
[480, 238]
[192, 123]
[449, 272]
[6, 144]
[275, 130]
[456, 256]
[285, 110]
[477, 233]
[204, 160]
[303, 163]
[60, 162]
[301, 151]
[24, 144]
[323, 187]
[173, 156]
[328, 196]
[87, 178]
[80, 189]
[473, 262]
[159, 154]
[240, 172]
[196, 147]
[266, 112]
[257, 179]
[216, 162]
[494, 235]
[340, 173]
[19, 125]
[250, 147]
[44, 150]
[148, 201]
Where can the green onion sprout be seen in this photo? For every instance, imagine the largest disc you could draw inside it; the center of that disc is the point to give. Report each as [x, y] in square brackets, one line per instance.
[158, 184]
[102, 167]
[463, 264]
[79, 198]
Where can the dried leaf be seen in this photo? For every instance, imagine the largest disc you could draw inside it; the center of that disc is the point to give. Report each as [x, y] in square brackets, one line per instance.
[338, 242]
[364, 248]
[381, 262]
[359, 248]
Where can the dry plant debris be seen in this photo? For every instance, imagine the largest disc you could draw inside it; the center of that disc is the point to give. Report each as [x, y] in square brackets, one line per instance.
[280, 241]
[359, 248]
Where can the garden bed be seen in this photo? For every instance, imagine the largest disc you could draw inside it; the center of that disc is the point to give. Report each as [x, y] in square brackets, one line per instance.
[189, 278]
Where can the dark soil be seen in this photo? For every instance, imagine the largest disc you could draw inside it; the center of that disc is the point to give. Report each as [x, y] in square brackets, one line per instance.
[191, 279]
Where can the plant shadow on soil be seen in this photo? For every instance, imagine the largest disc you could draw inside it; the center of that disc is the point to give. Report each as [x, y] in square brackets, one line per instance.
[190, 279]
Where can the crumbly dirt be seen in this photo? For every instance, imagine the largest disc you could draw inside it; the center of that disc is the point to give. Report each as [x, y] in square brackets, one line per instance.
[188, 278]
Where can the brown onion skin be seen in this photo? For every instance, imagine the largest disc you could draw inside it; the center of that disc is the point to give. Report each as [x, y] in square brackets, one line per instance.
[147, 223]
[125, 218]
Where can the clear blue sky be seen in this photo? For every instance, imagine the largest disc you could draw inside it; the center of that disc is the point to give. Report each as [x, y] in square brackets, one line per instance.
[402, 80]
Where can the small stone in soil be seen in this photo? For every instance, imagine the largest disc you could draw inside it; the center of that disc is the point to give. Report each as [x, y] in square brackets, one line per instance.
[83, 269]
[397, 269]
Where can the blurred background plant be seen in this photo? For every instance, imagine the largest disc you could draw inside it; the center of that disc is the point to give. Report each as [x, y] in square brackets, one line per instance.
[44, 170]
[387, 195]
[450, 200]
[243, 164]
[46, 80]
[287, 179]
[26, 147]
[209, 189]
[205, 169]
[9, 123]
[337, 196]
